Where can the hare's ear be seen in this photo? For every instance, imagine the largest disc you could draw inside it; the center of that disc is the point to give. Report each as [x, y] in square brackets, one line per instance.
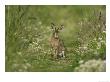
[100, 15]
[61, 27]
[52, 26]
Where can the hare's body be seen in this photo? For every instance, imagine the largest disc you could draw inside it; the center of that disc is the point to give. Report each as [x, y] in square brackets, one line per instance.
[57, 45]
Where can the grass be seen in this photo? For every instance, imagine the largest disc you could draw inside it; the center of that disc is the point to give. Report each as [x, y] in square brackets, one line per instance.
[28, 31]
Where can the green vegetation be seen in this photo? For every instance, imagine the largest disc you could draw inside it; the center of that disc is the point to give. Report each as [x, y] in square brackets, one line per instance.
[27, 34]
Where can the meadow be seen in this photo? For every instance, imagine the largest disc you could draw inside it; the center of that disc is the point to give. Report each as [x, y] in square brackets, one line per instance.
[28, 30]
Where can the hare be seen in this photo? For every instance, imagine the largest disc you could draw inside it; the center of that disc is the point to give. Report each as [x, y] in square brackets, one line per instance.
[58, 49]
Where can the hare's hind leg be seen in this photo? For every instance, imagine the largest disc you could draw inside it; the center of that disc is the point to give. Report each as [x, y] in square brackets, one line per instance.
[63, 54]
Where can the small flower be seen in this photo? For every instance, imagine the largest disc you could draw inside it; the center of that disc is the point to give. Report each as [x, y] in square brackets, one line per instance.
[104, 31]
[81, 61]
[95, 39]
[100, 38]
[85, 47]
[19, 53]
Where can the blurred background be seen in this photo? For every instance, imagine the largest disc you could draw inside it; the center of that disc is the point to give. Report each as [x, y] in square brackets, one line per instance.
[28, 30]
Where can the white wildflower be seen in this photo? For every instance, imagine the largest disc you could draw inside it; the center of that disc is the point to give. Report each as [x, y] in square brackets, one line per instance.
[19, 53]
[95, 39]
[104, 31]
[100, 38]
[85, 47]
[81, 61]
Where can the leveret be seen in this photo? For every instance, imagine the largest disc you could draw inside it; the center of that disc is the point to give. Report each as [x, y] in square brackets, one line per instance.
[58, 49]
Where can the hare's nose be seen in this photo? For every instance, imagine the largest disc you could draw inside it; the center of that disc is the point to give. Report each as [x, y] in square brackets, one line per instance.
[56, 36]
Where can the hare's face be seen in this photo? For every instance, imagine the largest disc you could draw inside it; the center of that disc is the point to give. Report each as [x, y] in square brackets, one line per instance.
[55, 30]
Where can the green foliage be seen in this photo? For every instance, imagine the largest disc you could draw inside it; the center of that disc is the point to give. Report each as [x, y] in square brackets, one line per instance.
[28, 32]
